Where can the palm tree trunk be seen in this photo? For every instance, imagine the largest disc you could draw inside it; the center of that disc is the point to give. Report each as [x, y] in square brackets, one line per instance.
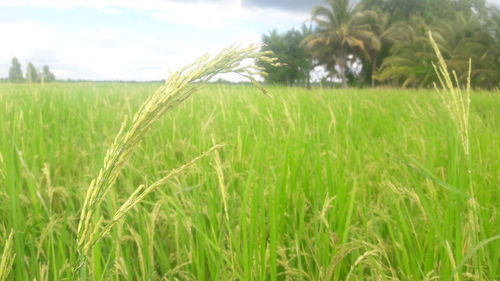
[342, 65]
[342, 76]
[308, 80]
[374, 67]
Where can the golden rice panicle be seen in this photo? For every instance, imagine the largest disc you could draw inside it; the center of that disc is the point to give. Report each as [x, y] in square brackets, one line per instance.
[457, 102]
[7, 259]
[142, 191]
[177, 88]
[455, 99]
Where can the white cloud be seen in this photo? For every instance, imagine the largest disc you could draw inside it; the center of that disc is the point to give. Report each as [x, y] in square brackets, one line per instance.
[91, 55]
[202, 14]
[103, 54]
[92, 52]
[495, 2]
[20, 38]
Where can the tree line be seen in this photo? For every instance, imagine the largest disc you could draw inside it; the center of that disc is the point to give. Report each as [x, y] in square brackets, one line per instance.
[33, 75]
[385, 42]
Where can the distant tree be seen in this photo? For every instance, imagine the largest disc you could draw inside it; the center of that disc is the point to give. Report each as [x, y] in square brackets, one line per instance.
[288, 48]
[341, 31]
[358, 41]
[15, 72]
[47, 76]
[375, 50]
[467, 6]
[488, 68]
[464, 38]
[411, 55]
[32, 73]
[308, 65]
[399, 9]
[429, 10]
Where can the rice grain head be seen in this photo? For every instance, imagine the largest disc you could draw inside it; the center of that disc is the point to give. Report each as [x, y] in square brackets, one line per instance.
[457, 102]
[8, 256]
[177, 88]
[455, 99]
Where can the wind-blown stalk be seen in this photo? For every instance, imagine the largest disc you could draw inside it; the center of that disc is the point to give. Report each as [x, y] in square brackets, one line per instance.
[457, 102]
[177, 88]
[455, 99]
[7, 258]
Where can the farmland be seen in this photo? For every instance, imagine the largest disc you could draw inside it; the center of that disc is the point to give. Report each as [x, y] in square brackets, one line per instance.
[319, 184]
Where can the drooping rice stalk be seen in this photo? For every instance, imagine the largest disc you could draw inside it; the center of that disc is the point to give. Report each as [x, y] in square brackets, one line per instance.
[141, 192]
[7, 259]
[177, 88]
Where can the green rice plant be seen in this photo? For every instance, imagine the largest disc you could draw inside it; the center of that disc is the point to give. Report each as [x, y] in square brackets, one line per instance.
[177, 88]
[2, 173]
[457, 100]
[310, 178]
[7, 258]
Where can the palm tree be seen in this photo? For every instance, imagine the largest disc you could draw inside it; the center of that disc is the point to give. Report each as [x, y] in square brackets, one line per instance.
[340, 33]
[308, 66]
[378, 22]
[488, 68]
[464, 38]
[411, 55]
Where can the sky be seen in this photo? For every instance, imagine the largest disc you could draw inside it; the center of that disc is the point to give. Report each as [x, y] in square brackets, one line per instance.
[135, 40]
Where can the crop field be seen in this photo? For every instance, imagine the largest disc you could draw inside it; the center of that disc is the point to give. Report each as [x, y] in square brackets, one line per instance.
[320, 184]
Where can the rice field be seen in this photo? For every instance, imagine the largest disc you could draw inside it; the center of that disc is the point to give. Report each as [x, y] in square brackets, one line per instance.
[320, 184]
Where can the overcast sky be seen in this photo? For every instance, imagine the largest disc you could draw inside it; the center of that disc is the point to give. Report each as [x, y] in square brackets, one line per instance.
[132, 39]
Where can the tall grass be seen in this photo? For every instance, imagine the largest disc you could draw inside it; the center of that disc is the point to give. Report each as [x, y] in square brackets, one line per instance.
[457, 99]
[309, 186]
[7, 258]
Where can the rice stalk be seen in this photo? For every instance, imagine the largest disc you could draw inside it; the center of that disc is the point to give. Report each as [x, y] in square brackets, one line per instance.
[457, 102]
[452, 261]
[8, 256]
[2, 173]
[222, 186]
[359, 260]
[455, 99]
[177, 88]
[154, 216]
[138, 195]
